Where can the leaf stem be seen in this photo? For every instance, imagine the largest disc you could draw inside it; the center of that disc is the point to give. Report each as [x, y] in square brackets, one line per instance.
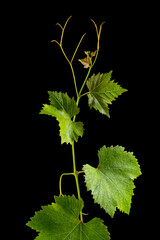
[80, 172]
[84, 94]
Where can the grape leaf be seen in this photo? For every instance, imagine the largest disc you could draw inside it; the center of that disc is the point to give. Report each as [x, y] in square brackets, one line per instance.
[60, 221]
[64, 108]
[111, 183]
[86, 62]
[102, 91]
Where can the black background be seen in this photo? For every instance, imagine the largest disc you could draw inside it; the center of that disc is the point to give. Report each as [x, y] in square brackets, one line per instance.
[42, 68]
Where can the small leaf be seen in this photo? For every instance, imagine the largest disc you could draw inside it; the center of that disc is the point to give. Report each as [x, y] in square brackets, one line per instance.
[111, 183]
[93, 54]
[64, 108]
[86, 62]
[102, 91]
[60, 221]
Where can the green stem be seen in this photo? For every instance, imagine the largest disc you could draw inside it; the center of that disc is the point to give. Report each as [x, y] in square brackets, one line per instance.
[84, 83]
[60, 182]
[70, 63]
[75, 173]
[79, 94]
[73, 148]
[74, 79]
[76, 177]
[74, 118]
[96, 56]
[84, 94]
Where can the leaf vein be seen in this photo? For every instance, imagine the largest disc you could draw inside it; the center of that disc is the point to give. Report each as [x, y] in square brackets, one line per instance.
[94, 231]
[71, 231]
[112, 182]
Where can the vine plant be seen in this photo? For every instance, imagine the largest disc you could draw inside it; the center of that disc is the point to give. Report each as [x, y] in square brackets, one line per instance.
[111, 183]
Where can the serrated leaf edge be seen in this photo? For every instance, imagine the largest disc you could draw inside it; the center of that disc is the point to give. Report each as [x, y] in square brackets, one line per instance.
[116, 208]
[69, 118]
[100, 75]
[101, 222]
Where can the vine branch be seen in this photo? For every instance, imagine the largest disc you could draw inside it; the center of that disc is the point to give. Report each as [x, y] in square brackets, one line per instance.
[69, 61]
[79, 95]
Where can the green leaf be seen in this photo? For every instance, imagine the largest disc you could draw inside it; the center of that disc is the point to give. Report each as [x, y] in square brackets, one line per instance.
[60, 221]
[102, 91]
[64, 108]
[111, 183]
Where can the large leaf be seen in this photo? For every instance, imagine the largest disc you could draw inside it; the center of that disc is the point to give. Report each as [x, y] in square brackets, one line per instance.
[102, 91]
[60, 221]
[64, 108]
[111, 183]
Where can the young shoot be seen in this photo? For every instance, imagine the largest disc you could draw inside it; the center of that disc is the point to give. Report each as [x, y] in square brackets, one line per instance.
[111, 183]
